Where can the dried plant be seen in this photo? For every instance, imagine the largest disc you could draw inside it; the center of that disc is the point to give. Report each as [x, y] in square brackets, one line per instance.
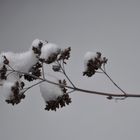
[56, 96]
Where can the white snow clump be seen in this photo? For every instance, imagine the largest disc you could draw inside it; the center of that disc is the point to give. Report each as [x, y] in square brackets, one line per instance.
[6, 89]
[48, 49]
[36, 42]
[50, 91]
[20, 61]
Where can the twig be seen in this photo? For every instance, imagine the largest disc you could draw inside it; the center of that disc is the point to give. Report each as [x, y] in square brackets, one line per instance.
[63, 70]
[113, 81]
[32, 86]
[10, 66]
[43, 70]
[71, 91]
[9, 73]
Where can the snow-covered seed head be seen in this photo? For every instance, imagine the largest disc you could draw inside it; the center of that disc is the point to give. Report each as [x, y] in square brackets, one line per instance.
[49, 53]
[12, 92]
[65, 54]
[37, 43]
[55, 96]
[36, 46]
[35, 70]
[93, 62]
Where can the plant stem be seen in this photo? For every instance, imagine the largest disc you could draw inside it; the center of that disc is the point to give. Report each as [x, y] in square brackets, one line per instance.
[82, 90]
[63, 70]
[32, 86]
[43, 70]
[113, 81]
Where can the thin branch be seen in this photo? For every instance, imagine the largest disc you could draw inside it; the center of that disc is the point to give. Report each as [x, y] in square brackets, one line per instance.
[9, 73]
[63, 66]
[43, 70]
[73, 90]
[32, 86]
[63, 70]
[113, 81]
[10, 66]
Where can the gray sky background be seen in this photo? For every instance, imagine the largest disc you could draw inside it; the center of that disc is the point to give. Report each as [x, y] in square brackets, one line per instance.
[109, 26]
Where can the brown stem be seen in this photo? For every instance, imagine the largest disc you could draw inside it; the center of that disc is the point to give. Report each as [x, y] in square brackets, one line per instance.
[83, 90]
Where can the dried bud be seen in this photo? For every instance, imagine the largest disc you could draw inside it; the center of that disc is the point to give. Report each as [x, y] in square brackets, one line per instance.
[62, 85]
[22, 84]
[98, 55]
[104, 60]
[56, 68]
[6, 61]
[109, 97]
[65, 54]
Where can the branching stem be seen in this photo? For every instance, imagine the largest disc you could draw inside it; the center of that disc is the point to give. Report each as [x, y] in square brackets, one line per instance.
[63, 71]
[82, 90]
[25, 89]
[113, 81]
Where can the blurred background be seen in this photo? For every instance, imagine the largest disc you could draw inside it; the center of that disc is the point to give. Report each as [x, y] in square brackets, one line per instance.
[109, 26]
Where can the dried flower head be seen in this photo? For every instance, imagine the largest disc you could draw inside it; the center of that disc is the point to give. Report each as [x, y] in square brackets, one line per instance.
[65, 54]
[35, 70]
[60, 102]
[49, 53]
[51, 58]
[54, 95]
[93, 62]
[16, 95]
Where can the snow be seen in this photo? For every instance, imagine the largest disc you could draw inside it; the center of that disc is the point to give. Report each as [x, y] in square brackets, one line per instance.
[50, 91]
[6, 89]
[20, 61]
[23, 62]
[89, 56]
[48, 49]
[36, 42]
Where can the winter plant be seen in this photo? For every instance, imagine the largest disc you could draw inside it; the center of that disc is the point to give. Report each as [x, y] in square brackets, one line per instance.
[20, 72]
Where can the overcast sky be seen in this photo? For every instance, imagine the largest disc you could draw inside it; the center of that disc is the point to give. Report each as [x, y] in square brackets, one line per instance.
[109, 26]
